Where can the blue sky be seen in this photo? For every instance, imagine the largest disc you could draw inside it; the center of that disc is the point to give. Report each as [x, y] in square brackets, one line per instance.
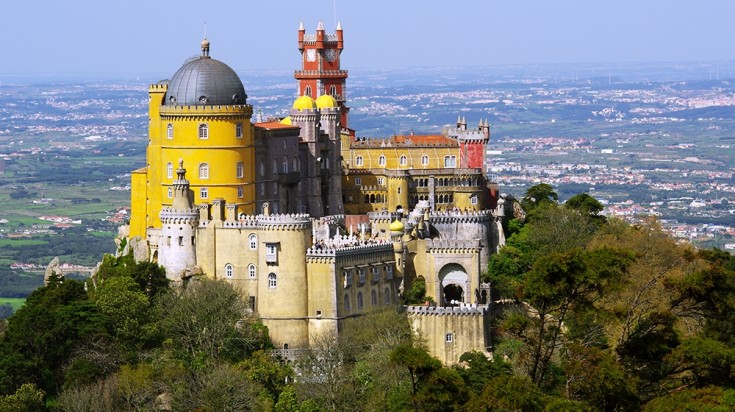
[150, 38]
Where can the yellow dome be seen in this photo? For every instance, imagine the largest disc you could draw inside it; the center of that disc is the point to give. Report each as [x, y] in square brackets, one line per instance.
[304, 103]
[326, 101]
[396, 226]
[286, 120]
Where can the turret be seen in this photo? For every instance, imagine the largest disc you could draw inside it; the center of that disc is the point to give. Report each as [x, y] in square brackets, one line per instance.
[320, 36]
[340, 38]
[302, 32]
[177, 243]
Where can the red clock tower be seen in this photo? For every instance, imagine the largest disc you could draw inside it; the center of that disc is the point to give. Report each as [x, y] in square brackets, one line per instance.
[320, 73]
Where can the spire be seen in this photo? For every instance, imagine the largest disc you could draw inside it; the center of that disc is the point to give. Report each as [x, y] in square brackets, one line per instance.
[301, 26]
[459, 120]
[320, 26]
[480, 124]
[339, 25]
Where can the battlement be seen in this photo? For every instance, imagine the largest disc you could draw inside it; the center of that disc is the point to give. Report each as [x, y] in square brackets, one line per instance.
[293, 221]
[453, 245]
[355, 249]
[320, 74]
[464, 309]
[208, 110]
[169, 215]
[159, 87]
[460, 216]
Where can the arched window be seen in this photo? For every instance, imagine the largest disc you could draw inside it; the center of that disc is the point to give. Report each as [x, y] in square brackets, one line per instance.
[333, 90]
[240, 169]
[251, 271]
[204, 193]
[253, 241]
[262, 168]
[373, 298]
[307, 91]
[381, 160]
[204, 171]
[203, 131]
[386, 296]
[347, 302]
[170, 170]
[358, 161]
[170, 131]
[359, 300]
[275, 167]
[272, 280]
[240, 192]
[295, 164]
[404, 160]
[424, 160]
[284, 165]
[228, 270]
[170, 193]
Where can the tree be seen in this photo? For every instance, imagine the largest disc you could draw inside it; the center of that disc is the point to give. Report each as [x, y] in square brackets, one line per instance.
[585, 204]
[210, 320]
[150, 277]
[127, 309]
[27, 398]
[540, 195]
[42, 334]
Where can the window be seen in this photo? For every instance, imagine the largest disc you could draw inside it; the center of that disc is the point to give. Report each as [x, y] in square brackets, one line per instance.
[348, 277]
[170, 193]
[347, 302]
[358, 181]
[262, 168]
[271, 253]
[228, 270]
[399, 190]
[404, 160]
[386, 296]
[450, 161]
[240, 169]
[272, 280]
[362, 275]
[253, 241]
[284, 165]
[251, 271]
[389, 272]
[239, 192]
[449, 337]
[359, 161]
[238, 130]
[204, 171]
[275, 167]
[373, 298]
[203, 193]
[381, 160]
[333, 90]
[307, 91]
[170, 131]
[359, 300]
[295, 164]
[170, 170]
[203, 131]
[424, 160]
[251, 303]
[376, 274]
[473, 199]
[381, 181]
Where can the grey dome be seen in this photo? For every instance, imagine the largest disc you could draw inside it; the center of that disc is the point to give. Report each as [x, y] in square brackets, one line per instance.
[205, 81]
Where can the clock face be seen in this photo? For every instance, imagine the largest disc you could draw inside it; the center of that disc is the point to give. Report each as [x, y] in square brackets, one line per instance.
[311, 55]
[330, 55]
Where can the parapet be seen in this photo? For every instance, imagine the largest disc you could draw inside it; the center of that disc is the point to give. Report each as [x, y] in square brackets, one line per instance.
[208, 110]
[464, 309]
[460, 216]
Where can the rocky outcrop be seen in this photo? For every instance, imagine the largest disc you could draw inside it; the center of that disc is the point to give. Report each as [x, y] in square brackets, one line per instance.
[51, 270]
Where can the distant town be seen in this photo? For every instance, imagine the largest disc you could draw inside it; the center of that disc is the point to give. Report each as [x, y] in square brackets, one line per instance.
[646, 142]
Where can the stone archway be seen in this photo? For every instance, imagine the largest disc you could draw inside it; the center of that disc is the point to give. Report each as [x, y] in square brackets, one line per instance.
[454, 284]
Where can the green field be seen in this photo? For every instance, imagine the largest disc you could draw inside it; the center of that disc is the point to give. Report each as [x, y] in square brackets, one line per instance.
[16, 303]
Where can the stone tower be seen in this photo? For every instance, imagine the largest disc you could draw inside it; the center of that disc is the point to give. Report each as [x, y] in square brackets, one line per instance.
[177, 243]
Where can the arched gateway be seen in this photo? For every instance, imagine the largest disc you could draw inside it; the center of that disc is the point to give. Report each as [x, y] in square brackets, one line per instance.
[454, 284]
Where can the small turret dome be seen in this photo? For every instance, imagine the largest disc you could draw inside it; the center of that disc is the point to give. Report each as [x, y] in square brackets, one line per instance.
[326, 101]
[286, 120]
[396, 226]
[304, 103]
